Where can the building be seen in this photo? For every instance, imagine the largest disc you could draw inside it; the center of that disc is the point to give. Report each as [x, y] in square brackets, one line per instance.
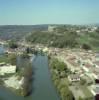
[74, 78]
[95, 91]
[51, 28]
[96, 63]
[45, 50]
[7, 69]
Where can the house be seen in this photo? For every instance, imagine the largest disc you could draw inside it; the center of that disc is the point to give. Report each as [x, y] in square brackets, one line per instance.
[86, 67]
[7, 69]
[96, 63]
[74, 78]
[45, 50]
[72, 64]
[51, 28]
[95, 91]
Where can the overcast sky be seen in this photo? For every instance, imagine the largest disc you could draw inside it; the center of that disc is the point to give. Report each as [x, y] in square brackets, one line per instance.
[48, 12]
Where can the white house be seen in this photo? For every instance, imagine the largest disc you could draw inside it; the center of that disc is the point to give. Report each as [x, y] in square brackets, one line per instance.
[45, 49]
[96, 63]
[51, 28]
[94, 89]
[7, 68]
[74, 78]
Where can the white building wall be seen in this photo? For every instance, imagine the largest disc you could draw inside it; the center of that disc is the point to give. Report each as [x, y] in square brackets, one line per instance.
[7, 69]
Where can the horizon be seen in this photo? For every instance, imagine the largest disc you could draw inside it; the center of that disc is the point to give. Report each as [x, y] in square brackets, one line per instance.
[48, 24]
[38, 12]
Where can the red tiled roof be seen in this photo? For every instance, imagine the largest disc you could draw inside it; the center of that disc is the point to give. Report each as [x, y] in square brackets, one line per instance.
[88, 65]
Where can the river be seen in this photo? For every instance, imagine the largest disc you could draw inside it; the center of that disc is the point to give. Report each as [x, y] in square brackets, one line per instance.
[43, 88]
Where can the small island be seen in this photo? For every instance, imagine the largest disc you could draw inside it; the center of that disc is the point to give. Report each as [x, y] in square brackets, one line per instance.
[14, 76]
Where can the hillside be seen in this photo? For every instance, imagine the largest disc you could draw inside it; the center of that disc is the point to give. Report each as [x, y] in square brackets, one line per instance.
[64, 36]
[16, 32]
[61, 36]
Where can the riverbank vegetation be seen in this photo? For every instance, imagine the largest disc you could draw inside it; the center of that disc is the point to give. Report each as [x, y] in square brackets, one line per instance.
[25, 70]
[12, 44]
[27, 86]
[8, 58]
[59, 72]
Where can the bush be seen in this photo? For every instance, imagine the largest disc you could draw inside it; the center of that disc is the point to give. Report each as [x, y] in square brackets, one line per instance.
[1, 82]
[82, 81]
[24, 55]
[12, 59]
[27, 85]
[86, 46]
[12, 44]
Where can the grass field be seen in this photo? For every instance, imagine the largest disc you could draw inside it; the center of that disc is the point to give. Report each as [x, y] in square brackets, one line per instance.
[4, 59]
[92, 39]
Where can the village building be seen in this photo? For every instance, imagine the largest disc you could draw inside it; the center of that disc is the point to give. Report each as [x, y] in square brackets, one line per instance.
[51, 28]
[97, 56]
[95, 91]
[96, 64]
[74, 78]
[7, 69]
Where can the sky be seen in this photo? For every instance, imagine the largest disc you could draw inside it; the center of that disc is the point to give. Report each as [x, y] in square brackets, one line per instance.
[31, 12]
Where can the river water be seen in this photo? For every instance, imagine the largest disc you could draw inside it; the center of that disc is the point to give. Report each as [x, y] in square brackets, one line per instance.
[43, 88]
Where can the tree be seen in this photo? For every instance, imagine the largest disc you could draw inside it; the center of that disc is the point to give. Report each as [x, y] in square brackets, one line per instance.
[60, 40]
[86, 47]
[27, 74]
[82, 81]
[12, 44]
[97, 30]
[56, 82]
[12, 59]
[66, 94]
[29, 50]
[25, 55]
[80, 98]
[60, 66]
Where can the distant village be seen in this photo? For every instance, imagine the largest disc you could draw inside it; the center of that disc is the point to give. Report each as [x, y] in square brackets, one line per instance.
[76, 28]
[84, 65]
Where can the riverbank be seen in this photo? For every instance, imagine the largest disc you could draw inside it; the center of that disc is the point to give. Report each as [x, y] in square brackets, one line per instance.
[59, 73]
[20, 81]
